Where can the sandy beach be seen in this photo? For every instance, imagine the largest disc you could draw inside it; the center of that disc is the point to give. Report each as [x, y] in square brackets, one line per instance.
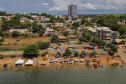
[103, 59]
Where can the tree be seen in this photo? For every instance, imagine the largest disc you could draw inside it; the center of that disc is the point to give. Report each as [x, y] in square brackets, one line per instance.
[45, 53]
[43, 45]
[1, 33]
[83, 53]
[67, 53]
[94, 53]
[76, 24]
[31, 51]
[76, 54]
[55, 39]
[66, 33]
[40, 33]
[15, 34]
[114, 49]
[83, 21]
[58, 53]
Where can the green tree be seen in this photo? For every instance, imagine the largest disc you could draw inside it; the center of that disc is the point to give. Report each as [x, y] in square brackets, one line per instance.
[55, 39]
[94, 53]
[66, 33]
[15, 34]
[76, 24]
[31, 51]
[45, 53]
[76, 54]
[58, 53]
[40, 33]
[83, 21]
[43, 45]
[83, 53]
[1, 33]
[67, 53]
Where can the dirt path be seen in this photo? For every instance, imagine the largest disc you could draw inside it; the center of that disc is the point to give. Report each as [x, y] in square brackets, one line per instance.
[122, 54]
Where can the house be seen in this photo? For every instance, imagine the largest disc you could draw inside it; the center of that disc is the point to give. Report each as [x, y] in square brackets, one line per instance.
[50, 31]
[71, 38]
[91, 30]
[119, 41]
[53, 46]
[59, 24]
[62, 38]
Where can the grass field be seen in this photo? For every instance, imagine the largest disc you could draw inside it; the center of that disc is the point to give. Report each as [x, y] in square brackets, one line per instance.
[12, 43]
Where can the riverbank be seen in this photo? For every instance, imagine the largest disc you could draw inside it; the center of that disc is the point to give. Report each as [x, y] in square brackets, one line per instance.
[103, 60]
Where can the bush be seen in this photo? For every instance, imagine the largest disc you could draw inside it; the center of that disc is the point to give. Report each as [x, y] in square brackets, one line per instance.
[1, 40]
[15, 34]
[76, 54]
[1, 56]
[13, 55]
[45, 53]
[0, 43]
[58, 53]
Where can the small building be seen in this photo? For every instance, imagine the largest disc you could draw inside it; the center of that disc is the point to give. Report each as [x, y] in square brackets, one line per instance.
[119, 41]
[71, 38]
[49, 30]
[54, 46]
[89, 47]
[62, 38]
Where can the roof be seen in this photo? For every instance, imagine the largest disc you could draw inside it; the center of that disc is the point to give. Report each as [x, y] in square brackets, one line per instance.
[104, 28]
[29, 62]
[62, 37]
[19, 61]
[53, 44]
[91, 29]
[82, 26]
[119, 40]
[63, 28]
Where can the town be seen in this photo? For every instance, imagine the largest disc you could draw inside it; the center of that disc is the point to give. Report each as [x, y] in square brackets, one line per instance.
[44, 39]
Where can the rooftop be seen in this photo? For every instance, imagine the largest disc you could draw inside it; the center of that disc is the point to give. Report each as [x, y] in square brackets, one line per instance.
[53, 44]
[104, 28]
[62, 37]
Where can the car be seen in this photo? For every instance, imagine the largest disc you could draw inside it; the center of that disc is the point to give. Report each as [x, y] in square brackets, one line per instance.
[57, 56]
[94, 60]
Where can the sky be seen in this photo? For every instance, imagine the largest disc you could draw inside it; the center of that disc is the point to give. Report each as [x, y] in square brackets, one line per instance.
[55, 7]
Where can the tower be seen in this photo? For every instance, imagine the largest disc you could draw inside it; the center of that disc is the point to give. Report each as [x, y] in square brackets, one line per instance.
[72, 10]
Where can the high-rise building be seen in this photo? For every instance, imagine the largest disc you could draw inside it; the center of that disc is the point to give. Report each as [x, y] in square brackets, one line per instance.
[72, 10]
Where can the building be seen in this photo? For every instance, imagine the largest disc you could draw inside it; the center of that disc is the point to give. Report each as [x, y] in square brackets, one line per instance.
[72, 10]
[106, 33]
[53, 46]
[114, 35]
[62, 38]
[119, 41]
[103, 33]
[71, 38]
[49, 31]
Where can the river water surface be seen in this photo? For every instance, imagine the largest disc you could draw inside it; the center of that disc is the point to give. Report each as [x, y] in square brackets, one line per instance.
[74, 75]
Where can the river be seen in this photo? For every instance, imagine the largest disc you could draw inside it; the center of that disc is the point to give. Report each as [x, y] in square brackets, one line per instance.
[76, 75]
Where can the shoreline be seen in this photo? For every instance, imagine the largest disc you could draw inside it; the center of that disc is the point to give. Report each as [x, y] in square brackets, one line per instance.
[39, 59]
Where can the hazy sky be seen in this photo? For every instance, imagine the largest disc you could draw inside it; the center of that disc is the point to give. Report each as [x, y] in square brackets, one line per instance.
[61, 6]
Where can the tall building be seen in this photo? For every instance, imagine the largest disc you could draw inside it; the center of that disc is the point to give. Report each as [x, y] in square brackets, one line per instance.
[72, 10]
